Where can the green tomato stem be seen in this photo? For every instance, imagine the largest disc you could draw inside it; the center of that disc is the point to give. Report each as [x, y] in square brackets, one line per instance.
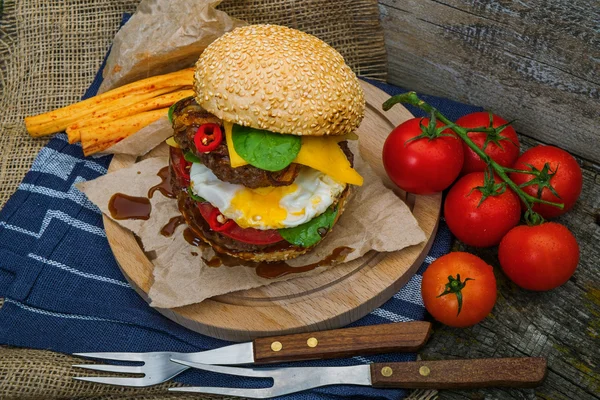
[412, 98]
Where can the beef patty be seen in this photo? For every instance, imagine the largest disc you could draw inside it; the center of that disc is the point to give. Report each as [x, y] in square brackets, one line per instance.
[187, 118]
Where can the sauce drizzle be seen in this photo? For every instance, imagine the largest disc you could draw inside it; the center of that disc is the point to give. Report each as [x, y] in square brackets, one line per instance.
[279, 269]
[164, 187]
[190, 236]
[170, 227]
[123, 206]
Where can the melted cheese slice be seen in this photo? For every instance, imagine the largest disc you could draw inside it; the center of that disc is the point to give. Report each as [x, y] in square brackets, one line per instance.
[234, 158]
[318, 152]
[324, 154]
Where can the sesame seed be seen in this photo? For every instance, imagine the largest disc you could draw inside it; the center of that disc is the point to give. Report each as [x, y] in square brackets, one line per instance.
[280, 79]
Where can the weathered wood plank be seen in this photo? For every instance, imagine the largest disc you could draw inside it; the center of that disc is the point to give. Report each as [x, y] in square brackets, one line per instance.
[534, 61]
[562, 325]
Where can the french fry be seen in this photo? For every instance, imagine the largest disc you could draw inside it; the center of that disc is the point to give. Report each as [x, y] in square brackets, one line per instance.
[100, 137]
[60, 119]
[112, 106]
[165, 100]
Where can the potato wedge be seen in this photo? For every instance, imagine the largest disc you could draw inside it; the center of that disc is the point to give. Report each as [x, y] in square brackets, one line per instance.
[165, 100]
[97, 138]
[58, 120]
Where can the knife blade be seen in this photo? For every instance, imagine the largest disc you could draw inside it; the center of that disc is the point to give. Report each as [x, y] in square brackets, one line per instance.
[524, 372]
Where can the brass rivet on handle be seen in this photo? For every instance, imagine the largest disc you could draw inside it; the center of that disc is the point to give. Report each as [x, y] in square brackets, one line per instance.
[276, 346]
[312, 342]
[387, 371]
[424, 370]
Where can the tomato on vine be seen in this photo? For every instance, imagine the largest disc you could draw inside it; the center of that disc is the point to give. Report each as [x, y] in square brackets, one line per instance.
[555, 176]
[422, 156]
[459, 289]
[501, 143]
[540, 257]
[480, 209]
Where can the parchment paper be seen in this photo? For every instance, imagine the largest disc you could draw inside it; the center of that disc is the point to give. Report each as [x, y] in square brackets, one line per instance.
[143, 140]
[163, 36]
[374, 219]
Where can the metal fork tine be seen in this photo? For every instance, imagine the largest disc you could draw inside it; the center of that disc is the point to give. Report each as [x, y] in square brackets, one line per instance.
[240, 392]
[113, 356]
[257, 373]
[109, 380]
[126, 369]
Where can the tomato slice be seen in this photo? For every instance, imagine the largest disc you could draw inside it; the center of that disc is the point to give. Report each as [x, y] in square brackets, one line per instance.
[234, 231]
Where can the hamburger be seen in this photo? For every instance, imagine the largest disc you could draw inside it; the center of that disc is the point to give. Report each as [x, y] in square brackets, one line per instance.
[259, 158]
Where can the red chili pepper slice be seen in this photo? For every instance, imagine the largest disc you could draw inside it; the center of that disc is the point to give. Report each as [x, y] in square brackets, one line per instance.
[218, 226]
[208, 137]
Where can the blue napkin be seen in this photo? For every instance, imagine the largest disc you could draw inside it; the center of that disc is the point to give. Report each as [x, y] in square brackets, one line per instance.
[64, 291]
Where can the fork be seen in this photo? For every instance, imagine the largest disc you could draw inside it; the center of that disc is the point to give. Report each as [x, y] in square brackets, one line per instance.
[157, 367]
[447, 374]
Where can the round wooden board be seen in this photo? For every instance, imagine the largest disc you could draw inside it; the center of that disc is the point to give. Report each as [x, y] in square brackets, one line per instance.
[334, 298]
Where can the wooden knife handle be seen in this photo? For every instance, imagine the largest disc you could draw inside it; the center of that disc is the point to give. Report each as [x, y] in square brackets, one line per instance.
[386, 338]
[460, 374]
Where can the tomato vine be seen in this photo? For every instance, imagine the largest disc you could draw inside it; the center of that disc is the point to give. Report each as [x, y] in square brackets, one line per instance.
[531, 217]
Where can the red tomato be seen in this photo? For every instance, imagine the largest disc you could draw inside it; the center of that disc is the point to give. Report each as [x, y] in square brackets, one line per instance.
[246, 235]
[459, 278]
[539, 257]
[422, 166]
[180, 165]
[503, 151]
[558, 169]
[484, 224]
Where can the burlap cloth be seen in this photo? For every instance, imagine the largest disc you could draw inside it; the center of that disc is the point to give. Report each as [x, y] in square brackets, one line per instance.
[49, 54]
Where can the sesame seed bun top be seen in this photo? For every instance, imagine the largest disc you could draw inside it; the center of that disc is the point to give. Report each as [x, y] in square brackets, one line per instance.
[280, 79]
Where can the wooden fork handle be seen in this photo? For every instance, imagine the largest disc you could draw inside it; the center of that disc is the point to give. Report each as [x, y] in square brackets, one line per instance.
[460, 374]
[347, 342]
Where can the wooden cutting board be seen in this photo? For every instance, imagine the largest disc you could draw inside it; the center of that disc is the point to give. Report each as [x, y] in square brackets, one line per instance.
[332, 299]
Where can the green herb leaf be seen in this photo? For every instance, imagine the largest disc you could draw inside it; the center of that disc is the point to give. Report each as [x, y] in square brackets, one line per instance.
[311, 232]
[194, 197]
[265, 150]
[170, 113]
[191, 157]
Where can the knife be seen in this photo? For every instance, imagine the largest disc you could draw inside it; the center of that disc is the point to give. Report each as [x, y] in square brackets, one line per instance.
[347, 342]
[523, 372]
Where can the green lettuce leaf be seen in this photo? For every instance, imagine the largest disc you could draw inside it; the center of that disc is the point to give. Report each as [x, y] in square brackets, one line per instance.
[263, 149]
[311, 232]
[191, 157]
[172, 108]
[170, 113]
[194, 196]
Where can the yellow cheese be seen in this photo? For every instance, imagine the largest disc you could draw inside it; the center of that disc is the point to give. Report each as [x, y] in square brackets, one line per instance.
[234, 158]
[318, 152]
[171, 142]
[324, 154]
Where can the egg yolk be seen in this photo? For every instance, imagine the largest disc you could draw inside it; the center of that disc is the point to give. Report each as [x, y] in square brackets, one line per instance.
[260, 206]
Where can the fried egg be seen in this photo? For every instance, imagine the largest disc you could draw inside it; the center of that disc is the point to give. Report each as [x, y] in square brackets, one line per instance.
[269, 207]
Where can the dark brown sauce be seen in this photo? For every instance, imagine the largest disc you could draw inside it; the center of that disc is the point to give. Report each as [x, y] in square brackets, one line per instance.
[164, 186]
[190, 236]
[170, 227]
[194, 254]
[122, 206]
[214, 262]
[279, 269]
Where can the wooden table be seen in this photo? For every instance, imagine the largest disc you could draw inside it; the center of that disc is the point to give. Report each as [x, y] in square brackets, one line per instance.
[537, 62]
